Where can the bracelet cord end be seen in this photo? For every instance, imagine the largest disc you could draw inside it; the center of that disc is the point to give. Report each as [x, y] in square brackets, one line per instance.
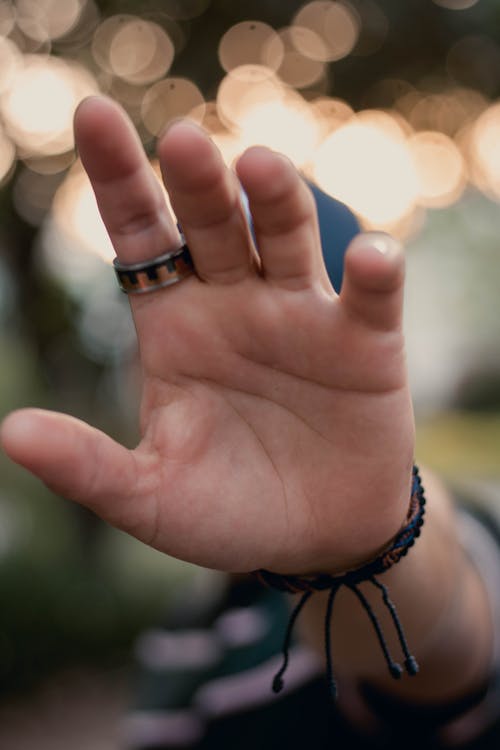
[308, 585]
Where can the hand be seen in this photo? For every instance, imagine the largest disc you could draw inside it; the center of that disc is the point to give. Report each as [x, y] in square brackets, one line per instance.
[276, 423]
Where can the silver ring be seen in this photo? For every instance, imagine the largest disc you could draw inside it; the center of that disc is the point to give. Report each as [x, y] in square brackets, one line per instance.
[157, 273]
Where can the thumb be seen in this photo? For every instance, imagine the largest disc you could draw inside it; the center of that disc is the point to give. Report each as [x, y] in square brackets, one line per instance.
[76, 461]
[372, 289]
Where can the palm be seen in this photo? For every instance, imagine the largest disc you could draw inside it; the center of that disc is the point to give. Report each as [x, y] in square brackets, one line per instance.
[248, 410]
[276, 425]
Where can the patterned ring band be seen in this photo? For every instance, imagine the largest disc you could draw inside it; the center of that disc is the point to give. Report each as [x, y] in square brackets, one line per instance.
[157, 273]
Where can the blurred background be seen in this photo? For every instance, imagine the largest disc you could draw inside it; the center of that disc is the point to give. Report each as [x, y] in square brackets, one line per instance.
[392, 107]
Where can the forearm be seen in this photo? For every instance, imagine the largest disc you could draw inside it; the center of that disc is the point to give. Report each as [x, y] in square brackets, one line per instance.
[441, 603]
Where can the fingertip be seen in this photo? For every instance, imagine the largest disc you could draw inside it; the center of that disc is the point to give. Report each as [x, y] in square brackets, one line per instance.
[86, 102]
[372, 288]
[181, 125]
[261, 168]
[375, 260]
[25, 434]
[15, 429]
[68, 455]
[184, 149]
[380, 242]
[23, 437]
[93, 106]
[181, 135]
[252, 154]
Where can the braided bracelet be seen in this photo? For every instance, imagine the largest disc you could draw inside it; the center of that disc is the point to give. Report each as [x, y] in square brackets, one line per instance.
[307, 585]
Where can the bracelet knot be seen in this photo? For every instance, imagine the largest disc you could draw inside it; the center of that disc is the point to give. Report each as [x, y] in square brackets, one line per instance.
[308, 585]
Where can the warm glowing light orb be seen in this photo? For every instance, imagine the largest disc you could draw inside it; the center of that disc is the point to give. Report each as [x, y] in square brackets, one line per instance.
[11, 60]
[250, 43]
[296, 68]
[169, 99]
[135, 49]
[245, 88]
[7, 17]
[38, 108]
[440, 168]
[485, 151]
[391, 123]
[44, 20]
[370, 170]
[285, 125]
[77, 217]
[140, 51]
[335, 24]
[330, 113]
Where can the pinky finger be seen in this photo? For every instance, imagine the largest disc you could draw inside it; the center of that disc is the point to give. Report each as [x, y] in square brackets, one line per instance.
[372, 289]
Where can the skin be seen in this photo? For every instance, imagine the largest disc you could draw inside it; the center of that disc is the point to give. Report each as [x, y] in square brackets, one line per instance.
[271, 407]
[276, 422]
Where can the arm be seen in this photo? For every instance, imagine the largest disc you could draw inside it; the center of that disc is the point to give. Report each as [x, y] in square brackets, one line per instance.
[276, 422]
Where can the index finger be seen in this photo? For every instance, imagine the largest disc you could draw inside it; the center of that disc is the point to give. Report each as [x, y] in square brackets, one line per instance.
[130, 199]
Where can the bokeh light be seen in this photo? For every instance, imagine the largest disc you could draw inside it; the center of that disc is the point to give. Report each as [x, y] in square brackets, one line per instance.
[250, 43]
[169, 99]
[425, 139]
[295, 68]
[286, 125]
[363, 164]
[10, 62]
[44, 20]
[39, 106]
[440, 168]
[243, 89]
[33, 193]
[330, 113]
[336, 28]
[137, 50]
[75, 248]
[446, 112]
[128, 94]
[485, 151]
[7, 17]
[140, 52]
[76, 217]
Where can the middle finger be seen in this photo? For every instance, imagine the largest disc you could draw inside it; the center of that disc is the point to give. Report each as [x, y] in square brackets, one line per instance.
[206, 199]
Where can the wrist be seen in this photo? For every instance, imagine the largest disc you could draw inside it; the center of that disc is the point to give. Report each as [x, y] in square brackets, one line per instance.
[442, 604]
[351, 580]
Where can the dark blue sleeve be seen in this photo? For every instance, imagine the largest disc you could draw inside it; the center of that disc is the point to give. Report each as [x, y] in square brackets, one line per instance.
[337, 226]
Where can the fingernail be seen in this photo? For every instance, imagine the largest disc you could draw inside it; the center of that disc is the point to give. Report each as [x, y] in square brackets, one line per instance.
[382, 242]
[180, 122]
